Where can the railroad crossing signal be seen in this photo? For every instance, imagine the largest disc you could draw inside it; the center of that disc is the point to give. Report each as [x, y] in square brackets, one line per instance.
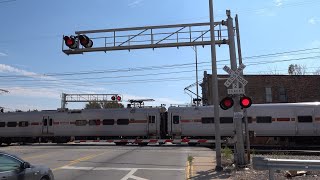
[85, 41]
[118, 98]
[235, 75]
[227, 102]
[245, 102]
[71, 42]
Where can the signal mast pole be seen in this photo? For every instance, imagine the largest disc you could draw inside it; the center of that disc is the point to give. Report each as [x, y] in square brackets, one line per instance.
[238, 121]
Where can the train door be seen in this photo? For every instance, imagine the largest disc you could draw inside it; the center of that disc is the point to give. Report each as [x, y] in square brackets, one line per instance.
[47, 125]
[152, 124]
[304, 122]
[175, 125]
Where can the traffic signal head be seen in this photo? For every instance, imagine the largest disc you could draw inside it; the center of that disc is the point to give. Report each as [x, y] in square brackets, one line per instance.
[113, 98]
[85, 41]
[226, 103]
[118, 98]
[70, 42]
[245, 102]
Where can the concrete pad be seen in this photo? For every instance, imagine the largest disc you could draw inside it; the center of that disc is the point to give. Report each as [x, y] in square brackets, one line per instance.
[203, 168]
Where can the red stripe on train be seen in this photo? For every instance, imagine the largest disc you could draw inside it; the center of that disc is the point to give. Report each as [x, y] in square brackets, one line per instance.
[283, 119]
[202, 140]
[185, 121]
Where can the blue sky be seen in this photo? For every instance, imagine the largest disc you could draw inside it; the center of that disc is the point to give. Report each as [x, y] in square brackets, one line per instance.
[31, 37]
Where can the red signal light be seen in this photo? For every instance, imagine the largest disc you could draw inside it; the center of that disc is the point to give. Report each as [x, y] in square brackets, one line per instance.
[118, 98]
[70, 42]
[85, 41]
[245, 102]
[113, 98]
[226, 103]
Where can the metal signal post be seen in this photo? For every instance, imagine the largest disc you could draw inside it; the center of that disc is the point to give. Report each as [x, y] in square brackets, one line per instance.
[238, 121]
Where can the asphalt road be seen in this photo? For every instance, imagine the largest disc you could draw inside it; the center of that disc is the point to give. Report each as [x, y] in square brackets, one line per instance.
[103, 162]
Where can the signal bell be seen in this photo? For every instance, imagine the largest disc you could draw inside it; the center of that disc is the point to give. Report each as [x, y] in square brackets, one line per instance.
[70, 42]
[226, 103]
[85, 41]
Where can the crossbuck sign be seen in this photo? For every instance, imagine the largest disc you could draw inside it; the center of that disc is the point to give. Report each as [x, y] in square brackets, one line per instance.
[235, 76]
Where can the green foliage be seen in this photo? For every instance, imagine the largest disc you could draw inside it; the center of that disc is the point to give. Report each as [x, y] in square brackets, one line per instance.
[93, 105]
[253, 151]
[295, 69]
[105, 105]
[227, 153]
[108, 105]
[190, 159]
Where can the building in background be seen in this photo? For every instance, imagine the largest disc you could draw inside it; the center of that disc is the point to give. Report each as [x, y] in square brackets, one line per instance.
[269, 88]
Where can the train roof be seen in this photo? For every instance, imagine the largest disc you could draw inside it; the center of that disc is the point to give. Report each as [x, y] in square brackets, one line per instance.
[278, 105]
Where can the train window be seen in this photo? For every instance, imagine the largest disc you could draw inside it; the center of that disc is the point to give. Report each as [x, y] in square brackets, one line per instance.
[264, 119]
[94, 122]
[305, 119]
[108, 122]
[249, 120]
[81, 122]
[152, 119]
[2, 124]
[207, 120]
[12, 124]
[23, 124]
[123, 121]
[226, 120]
[176, 119]
[45, 122]
[50, 122]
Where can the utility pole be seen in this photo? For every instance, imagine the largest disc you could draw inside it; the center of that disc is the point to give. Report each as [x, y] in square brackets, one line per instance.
[238, 121]
[215, 94]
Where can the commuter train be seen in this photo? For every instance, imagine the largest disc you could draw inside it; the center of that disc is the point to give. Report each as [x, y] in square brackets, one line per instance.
[285, 124]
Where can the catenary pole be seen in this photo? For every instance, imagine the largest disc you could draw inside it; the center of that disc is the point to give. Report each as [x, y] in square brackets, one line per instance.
[214, 91]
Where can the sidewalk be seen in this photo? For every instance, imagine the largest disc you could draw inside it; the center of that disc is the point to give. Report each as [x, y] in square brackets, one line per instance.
[202, 168]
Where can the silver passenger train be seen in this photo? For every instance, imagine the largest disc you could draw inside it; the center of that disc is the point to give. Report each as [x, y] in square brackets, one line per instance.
[284, 124]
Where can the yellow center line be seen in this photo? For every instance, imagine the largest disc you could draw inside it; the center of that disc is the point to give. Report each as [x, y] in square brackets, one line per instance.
[187, 171]
[78, 160]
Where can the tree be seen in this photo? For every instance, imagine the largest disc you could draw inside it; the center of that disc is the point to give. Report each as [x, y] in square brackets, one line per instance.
[295, 69]
[317, 72]
[105, 105]
[93, 105]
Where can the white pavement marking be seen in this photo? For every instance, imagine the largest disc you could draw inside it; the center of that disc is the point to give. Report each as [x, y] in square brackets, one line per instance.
[120, 169]
[128, 176]
[131, 176]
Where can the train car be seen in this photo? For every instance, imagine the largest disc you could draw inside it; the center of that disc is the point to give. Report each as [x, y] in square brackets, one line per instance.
[62, 126]
[288, 123]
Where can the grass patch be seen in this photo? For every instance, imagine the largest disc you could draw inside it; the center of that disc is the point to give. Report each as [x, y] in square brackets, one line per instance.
[190, 159]
[227, 153]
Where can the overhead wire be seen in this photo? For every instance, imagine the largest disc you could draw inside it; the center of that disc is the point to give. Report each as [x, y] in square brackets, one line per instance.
[156, 67]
